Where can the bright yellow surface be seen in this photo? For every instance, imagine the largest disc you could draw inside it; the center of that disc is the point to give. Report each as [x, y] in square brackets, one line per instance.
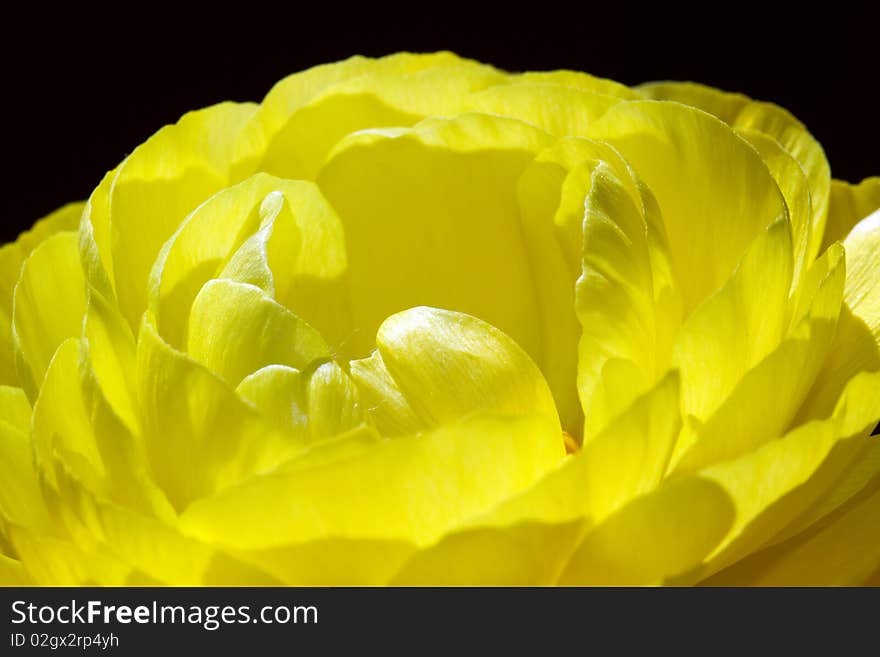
[415, 320]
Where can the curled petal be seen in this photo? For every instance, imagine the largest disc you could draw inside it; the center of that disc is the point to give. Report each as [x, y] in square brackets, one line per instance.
[404, 383]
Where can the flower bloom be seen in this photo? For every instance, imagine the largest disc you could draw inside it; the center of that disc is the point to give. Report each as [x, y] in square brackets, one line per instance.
[415, 320]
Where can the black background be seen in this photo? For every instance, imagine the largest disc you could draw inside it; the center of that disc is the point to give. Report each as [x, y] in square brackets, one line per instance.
[83, 89]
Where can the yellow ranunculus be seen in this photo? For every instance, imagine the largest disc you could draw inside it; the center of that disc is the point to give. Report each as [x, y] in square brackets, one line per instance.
[414, 320]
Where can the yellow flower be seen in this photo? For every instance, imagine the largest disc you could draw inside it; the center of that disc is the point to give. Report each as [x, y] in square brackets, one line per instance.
[415, 320]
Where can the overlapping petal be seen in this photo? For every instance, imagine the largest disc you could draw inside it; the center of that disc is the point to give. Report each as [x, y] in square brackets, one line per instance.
[415, 320]
[748, 115]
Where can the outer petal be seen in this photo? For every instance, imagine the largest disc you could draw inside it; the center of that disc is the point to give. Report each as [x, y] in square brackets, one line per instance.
[61, 433]
[627, 459]
[775, 122]
[199, 435]
[94, 237]
[49, 303]
[337, 561]
[82, 449]
[61, 563]
[856, 346]
[374, 100]
[795, 187]
[153, 552]
[20, 500]
[412, 488]
[282, 104]
[710, 224]
[738, 326]
[774, 485]
[653, 538]
[765, 400]
[12, 256]
[15, 410]
[158, 185]
[558, 109]
[12, 573]
[842, 551]
[107, 373]
[65, 218]
[527, 554]
[849, 205]
[110, 348]
[582, 81]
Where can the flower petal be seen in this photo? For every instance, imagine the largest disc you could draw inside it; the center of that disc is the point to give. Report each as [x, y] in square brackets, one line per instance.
[110, 349]
[626, 459]
[288, 96]
[795, 187]
[199, 248]
[849, 205]
[158, 185]
[539, 192]
[737, 327]
[159, 551]
[198, 434]
[323, 401]
[94, 238]
[842, 551]
[412, 488]
[333, 402]
[527, 554]
[709, 226]
[745, 114]
[337, 561]
[558, 109]
[62, 433]
[626, 299]
[582, 81]
[12, 573]
[393, 194]
[15, 409]
[653, 538]
[235, 329]
[377, 99]
[298, 256]
[50, 559]
[48, 307]
[12, 256]
[107, 374]
[856, 346]
[763, 404]
[779, 481]
[406, 382]
[20, 500]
